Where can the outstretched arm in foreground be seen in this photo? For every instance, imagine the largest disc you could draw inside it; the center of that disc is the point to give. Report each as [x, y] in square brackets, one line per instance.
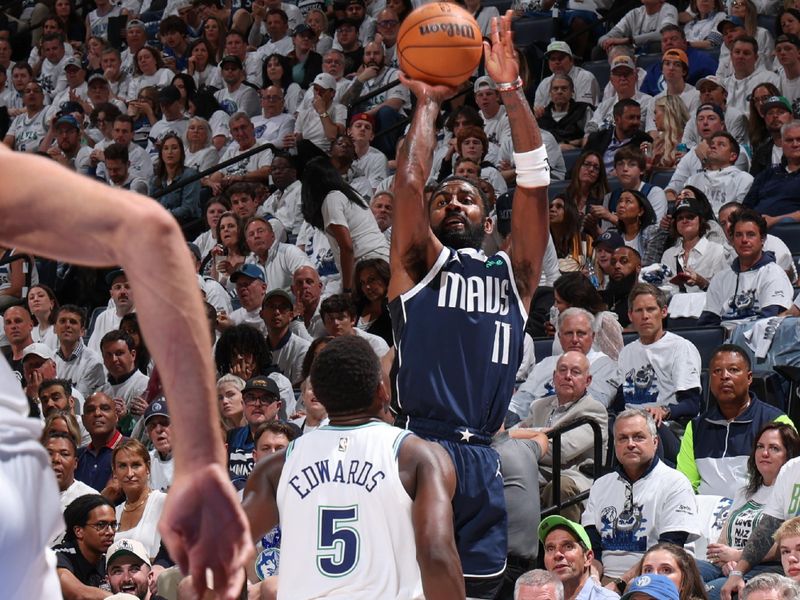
[414, 247]
[529, 218]
[50, 211]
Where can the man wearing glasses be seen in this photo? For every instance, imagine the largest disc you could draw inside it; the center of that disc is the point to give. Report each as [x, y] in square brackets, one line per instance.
[262, 403]
[643, 501]
[80, 560]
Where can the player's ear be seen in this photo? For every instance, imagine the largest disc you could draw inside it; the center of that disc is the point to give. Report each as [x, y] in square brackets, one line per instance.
[488, 225]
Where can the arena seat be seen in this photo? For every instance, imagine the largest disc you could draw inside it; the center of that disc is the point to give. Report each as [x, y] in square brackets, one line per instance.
[661, 178]
[542, 348]
[570, 158]
[705, 339]
[790, 234]
[557, 187]
[532, 32]
[501, 5]
[645, 60]
[600, 70]
[95, 313]
[769, 23]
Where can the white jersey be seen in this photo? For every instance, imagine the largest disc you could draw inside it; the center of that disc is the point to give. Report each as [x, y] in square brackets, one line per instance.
[343, 511]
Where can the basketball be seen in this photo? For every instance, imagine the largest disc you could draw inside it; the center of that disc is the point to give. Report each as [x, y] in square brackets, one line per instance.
[439, 43]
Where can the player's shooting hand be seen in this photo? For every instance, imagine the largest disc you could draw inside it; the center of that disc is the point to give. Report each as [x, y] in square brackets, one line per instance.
[422, 90]
[501, 58]
[205, 530]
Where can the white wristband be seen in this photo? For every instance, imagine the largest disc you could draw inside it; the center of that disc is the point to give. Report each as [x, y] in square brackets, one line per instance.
[533, 168]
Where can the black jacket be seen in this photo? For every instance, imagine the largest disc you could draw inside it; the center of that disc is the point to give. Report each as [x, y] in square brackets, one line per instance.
[571, 127]
[600, 140]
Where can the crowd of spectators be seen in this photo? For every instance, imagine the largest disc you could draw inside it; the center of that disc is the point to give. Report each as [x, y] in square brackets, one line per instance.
[667, 182]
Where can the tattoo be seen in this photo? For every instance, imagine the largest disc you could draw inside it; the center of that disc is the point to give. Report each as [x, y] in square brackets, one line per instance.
[760, 540]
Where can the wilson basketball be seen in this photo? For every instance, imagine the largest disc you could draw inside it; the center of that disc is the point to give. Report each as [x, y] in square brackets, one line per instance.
[439, 43]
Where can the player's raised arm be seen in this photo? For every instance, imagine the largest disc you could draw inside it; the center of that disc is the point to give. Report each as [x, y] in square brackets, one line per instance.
[414, 247]
[50, 211]
[529, 218]
[430, 472]
[259, 501]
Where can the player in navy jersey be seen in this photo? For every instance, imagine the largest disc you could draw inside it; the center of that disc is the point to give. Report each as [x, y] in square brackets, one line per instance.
[459, 316]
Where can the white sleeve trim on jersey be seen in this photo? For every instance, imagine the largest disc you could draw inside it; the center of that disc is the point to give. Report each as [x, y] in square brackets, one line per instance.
[522, 308]
[433, 272]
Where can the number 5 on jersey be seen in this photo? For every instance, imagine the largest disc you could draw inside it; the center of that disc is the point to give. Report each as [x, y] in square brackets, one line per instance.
[338, 544]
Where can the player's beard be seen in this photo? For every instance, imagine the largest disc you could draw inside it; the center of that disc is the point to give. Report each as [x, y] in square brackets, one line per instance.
[470, 237]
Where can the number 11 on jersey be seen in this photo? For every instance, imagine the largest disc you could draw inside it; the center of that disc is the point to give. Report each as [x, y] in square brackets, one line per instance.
[502, 342]
[338, 544]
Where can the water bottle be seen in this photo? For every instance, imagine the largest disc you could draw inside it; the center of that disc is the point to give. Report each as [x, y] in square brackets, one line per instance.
[592, 274]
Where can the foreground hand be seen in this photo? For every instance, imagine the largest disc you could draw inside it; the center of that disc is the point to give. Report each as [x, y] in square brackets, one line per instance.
[138, 406]
[204, 528]
[720, 553]
[422, 90]
[658, 413]
[501, 58]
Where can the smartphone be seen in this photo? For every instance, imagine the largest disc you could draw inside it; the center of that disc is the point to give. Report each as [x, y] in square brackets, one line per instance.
[680, 278]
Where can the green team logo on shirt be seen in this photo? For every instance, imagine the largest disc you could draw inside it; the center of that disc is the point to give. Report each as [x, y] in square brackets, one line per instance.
[794, 501]
[494, 262]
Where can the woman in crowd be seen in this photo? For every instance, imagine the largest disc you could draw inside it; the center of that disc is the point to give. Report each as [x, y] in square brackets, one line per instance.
[139, 514]
[701, 31]
[572, 247]
[317, 20]
[670, 116]
[215, 208]
[588, 185]
[636, 220]
[369, 295]
[205, 105]
[130, 325]
[756, 126]
[401, 7]
[200, 154]
[149, 70]
[230, 251]
[697, 257]
[776, 443]
[71, 22]
[183, 203]
[788, 22]
[42, 304]
[186, 86]
[145, 111]
[574, 289]
[92, 60]
[278, 72]
[231, 406]
[214, 32]
[331, 205]
[676, 564]
[63, 421]
[202, 65]
[101, 120]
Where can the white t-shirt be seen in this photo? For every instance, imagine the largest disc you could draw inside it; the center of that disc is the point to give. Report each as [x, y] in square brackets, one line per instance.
[785, 500]
[146, 530]
[161, 78]
[161, 472]
[726, 185]
[28, 132]
[368, 241]
[652, 374]
[662, 502]
[309, 124]
[586, 88]
[707, 258]
[247, 165]
[733, 295]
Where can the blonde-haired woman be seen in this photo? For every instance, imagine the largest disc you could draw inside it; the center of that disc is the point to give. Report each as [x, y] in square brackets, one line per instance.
[229, 396]
[670, 115]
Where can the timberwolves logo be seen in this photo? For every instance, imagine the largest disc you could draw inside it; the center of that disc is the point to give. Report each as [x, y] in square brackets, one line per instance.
[268, 559]
[743, 304]
[229, 106]
[623, 530]
[640, 386]
[259, 131]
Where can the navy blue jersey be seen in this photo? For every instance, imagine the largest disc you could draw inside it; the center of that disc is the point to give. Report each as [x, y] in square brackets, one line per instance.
[459, 337]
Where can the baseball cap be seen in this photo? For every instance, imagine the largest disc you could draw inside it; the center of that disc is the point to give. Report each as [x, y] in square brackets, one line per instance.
[248, 270]
[787, 38]
[325, 81]
[708, 106]
[558, 46]
[689, 204]
[623, 61]
[655, 586]
[134, 24]
[113, 275]
[731, 19]
[483, 82]
[155, 409]
[303, 29]
[262, 383]
[774, 101]
[127, 547]
[68, 107]
[168, 94]
[547, 525]
[97, 77]
[231, 59]
[610, 239]
[68, 120]
[718, 81]
[73, 62]
[676, 54]
[38, 349]
[363, 117]
[279, 293]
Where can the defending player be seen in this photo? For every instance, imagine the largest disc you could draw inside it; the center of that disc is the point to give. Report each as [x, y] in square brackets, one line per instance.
[459, 316]
[364, 506]
[49, 211]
